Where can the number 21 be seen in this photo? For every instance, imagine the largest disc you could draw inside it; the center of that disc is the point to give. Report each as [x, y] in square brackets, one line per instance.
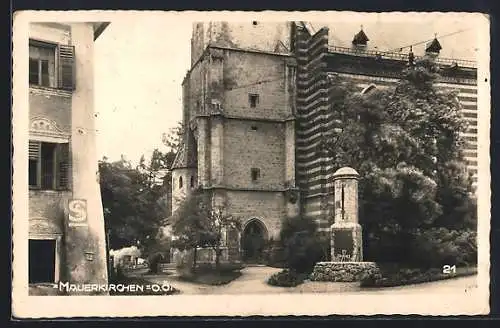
[447, 269]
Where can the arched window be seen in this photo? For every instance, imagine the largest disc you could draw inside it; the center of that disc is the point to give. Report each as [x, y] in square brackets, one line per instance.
[192, 182]
[180, 182]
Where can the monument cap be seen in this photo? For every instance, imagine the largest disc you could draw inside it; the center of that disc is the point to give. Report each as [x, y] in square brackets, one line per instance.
[346, 172]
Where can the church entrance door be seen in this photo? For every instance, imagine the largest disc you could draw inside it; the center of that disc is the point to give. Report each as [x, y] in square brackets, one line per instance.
[253, 242]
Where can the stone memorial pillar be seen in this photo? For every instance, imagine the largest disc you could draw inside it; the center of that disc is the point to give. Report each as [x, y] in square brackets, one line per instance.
[346, 232]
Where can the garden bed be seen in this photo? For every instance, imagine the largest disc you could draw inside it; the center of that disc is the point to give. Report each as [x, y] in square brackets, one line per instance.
[287, 278]
[392, 276]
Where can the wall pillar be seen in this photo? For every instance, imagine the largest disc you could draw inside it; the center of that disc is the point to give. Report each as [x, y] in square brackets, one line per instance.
[203, 148]
[217, 150]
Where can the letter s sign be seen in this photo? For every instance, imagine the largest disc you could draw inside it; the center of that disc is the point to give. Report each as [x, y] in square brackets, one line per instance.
[77, 209]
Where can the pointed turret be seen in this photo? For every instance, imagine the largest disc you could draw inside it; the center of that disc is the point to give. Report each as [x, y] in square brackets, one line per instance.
[433, 48]
[360, 39]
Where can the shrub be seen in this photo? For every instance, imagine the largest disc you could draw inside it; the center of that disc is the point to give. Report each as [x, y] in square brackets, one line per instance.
[302, 252]
[439, 246]
[274, 254]
[396, 276]
[154, 262]
[285, 278]
[302, 246]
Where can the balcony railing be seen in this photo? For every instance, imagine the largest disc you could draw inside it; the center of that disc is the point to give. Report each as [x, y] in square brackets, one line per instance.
[398, 56]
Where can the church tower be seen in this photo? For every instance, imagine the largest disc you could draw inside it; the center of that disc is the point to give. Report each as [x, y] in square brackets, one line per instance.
[239, 117]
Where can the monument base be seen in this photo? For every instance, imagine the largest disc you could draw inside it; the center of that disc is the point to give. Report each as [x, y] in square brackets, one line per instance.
[343, 271]
[346, 242]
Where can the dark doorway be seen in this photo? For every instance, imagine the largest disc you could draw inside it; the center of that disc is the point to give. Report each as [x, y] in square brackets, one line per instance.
[42, 260]
[253, 242]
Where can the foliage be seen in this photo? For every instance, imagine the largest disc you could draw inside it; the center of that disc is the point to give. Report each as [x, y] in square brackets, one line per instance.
[132, 208]
[406, 143]
[135, 199]
[285, 278]
[274, 254]
[391, 276]
[199, 223]
[303, 246]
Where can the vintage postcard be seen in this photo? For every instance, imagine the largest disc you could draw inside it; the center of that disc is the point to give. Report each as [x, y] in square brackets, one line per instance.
[239, 163]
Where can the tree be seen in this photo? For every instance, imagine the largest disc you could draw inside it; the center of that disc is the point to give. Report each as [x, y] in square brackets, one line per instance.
[218, 223]
[406, 143]
[199, 223]
[173, 138]
[132, 210]
[135, 199]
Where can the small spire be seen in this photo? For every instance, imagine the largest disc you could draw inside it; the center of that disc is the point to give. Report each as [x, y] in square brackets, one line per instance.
[434, 46]
[360, 38]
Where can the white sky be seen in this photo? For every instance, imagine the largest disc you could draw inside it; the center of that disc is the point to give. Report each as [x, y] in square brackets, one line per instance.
[141, 60]
[139, 67]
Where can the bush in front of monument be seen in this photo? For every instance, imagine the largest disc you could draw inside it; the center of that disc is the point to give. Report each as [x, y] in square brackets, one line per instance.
[302, 252]
[286, 278]
[302, 246]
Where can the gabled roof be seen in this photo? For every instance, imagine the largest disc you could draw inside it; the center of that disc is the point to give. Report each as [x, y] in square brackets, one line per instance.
[184, 158]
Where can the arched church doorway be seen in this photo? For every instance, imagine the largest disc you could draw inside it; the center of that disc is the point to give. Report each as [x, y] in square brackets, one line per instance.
[253, 241]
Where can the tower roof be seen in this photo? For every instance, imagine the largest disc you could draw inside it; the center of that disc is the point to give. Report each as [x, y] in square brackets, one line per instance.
[434, 46]
[184, 158]
[360, 38]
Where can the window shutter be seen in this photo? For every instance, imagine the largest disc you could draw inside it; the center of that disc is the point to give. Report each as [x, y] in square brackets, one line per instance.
[66, 76]
[63, 166]
[34, 150]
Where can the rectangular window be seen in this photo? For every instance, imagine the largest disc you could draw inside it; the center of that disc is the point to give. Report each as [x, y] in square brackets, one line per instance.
[51, 65]
[253, 100]
[255, 174]
[48, 165]
[42, 65]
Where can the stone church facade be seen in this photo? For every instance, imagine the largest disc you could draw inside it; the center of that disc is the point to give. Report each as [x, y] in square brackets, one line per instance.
[255, 105]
